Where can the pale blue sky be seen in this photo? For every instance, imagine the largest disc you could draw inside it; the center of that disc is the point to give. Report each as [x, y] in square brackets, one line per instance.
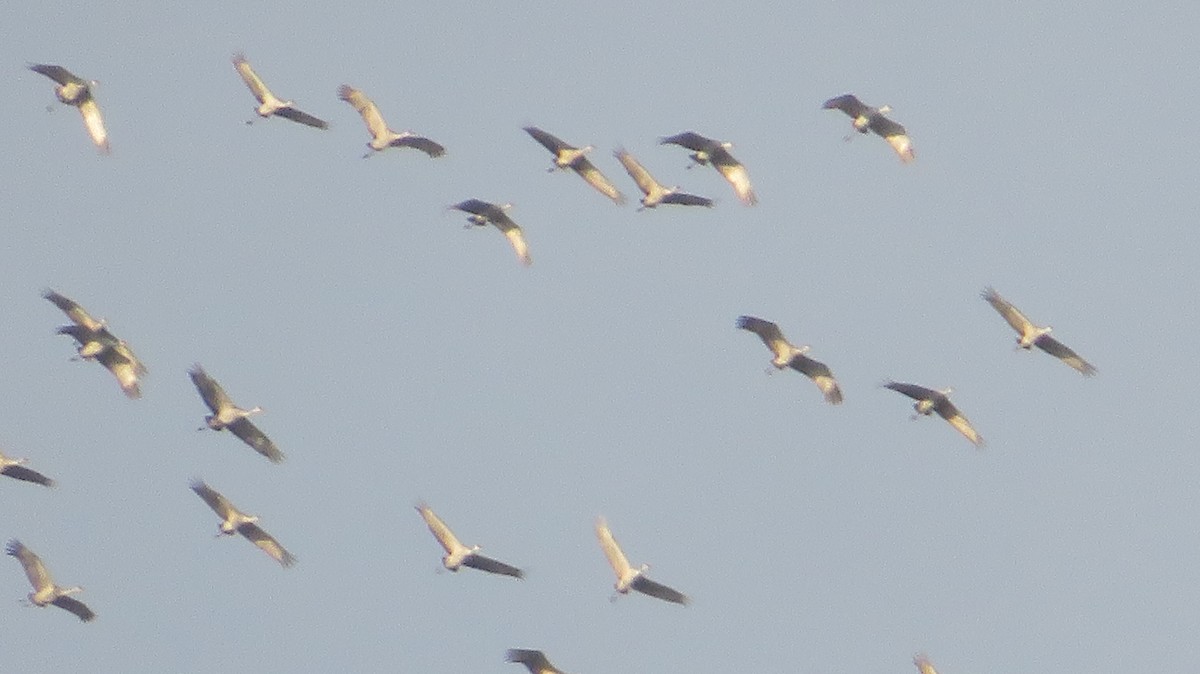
[400, 357]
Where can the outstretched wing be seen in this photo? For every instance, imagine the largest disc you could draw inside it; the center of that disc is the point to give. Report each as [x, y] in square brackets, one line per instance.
[588, 171]
[94, 123]
[821, 376]
[548, 140]
[685, 199]
[123, 365]
[616, 558]
[210, 391]
[365, 107]
[57, 73]
[267, 543]
[849, 104]
[251, 435]
[691, 140]
[23, 473]
[513, 233]
[35, 571]
[645, 182]
[74, 311]
[438, 528]
[646, 586]
[768, 332]
[1065, 354]
[735, 173]
[535, 661]
[302, 117]
[913, 391]
[421, 143]
[75, 606]
[220, 505]
[950, 413]
[478, 561]
[895, 135]
[251, 78]
[1010, 313]
[476, 207]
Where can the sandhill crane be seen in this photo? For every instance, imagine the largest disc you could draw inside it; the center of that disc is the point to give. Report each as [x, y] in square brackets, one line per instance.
[571, 157]
[98, 344]
[383, 137]
[44, 590]
[924, 666]
[867, 119]
[709, 151]
[458, 554]
[235, 521]
[269, 104]
[629, 578]
[654, 192]
[1030, 335]
[77, 92]
[788, 355]
[15, 468]
[227, 415]
[930, 401]
[534, 661]
[483, 213]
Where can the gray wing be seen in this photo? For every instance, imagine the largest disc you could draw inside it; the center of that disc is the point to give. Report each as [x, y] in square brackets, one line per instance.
[847, 103]
[913, 391]
[895, 135]
[535, 661]
[220, 505]
[57, 73]
[421, 143]
[23, 473]
[1010, 313]
[685, 199]
[588, 171]
[302, 117]
[478, 561]
[120, 361]
[75, 606]
[691, 140]
[476, 207]
[251, 435]
[950, 413]
[548, 140]
[267, 544]
[1065, 354]
[210, 391]
[648, 587]
[821, 376]
[735, 173]
[768, 332]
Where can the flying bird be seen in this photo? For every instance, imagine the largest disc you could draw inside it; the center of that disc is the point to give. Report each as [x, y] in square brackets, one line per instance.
[44, 590]
[383, 137]
[98, 344]
[227, 415]
[77, 92]
[483, 213]
[1030, 335]
[16, 469]
[709, 151]
[458, 554]
[269, 104]
[930, 401]
[629, 578]
[924, 666]
[235, 521]
[867, 119]
[788, 355]
[571, 157]
[534, 661]
[655, 193]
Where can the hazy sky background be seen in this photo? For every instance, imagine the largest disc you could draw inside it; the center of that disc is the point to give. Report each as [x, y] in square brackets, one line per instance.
[400, 357]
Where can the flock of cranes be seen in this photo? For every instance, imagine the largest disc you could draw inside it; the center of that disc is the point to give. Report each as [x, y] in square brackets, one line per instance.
[95, 342]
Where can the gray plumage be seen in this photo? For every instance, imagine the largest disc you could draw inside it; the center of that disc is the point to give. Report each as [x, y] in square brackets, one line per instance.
[269, 104]
[930, 401]
[1030, 335]
[867, 118]
[655, 193]
[708, 151]
[226, 415]
[570, 157]
[788, 355]
[484, 213]
[77, 92]
[45, 591]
